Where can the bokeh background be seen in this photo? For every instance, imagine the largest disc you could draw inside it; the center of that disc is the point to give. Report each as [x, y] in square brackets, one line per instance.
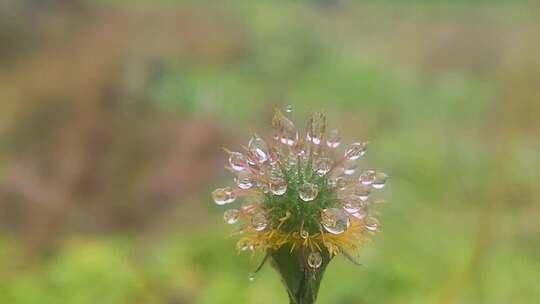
[113, 115]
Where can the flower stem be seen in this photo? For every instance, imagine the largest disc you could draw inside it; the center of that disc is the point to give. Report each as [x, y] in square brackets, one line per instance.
[302, 282]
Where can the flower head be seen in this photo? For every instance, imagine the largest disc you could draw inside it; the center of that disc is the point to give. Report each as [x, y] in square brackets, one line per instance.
[301, 193]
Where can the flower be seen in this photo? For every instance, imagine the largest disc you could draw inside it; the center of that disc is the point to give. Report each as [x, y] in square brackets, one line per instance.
[303, 201]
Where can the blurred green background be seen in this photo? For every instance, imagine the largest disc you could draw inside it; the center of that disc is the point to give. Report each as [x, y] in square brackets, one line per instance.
[113, 115]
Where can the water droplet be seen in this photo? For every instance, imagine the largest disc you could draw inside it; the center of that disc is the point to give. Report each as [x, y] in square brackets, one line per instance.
[349, 167]
[316, 126]
[244, 245]
[355, 151]
[287, 132]
[288, 109]
[380, 180]
[308, 192]
[360, 214]
[367, 177]
[371, 224]
[244, 180]
[314, 260]
[335, 220]
[292, 159]
[251, 278]
[338, 183]
[237, 161]
[258, 147]
[351, 206]
[304, 234]
[274, 156]
[263, 186]
[361, 191]
[323, 165]
[333, 140]
[278, 186]
[259, 222]
[223, 196]
[231, 216]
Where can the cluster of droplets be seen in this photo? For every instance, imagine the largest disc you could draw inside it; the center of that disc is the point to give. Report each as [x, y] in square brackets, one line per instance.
[312, 160]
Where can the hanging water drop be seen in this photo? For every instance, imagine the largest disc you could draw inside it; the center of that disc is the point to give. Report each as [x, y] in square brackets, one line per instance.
[288, 109]
[360, 214]
[361, 191]
[308, 191]
[380, 180]
[251, 278]
[314, 260]
[333, 140]
[316, 127]
[351, 206]
[237, 161]
[367, 177]
[355, 151]
[244, 245]
[287, 131]
[371, 224]
[349, 167]
[323, 165]
[231, 216]
[244, 180]
[258, 147]
[304, 234]
[278, 186]
[259, 222]
[223, 196]
[335, 220]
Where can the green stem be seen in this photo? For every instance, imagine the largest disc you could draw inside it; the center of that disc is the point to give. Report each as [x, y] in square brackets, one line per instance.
[302, 282]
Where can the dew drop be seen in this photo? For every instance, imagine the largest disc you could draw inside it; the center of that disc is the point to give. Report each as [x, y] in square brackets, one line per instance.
[380, 180]
[333, 140]
[339, 183]
[244, 180]
[263, 186]
[308, 192]
[351, 206]
[231, 216]
[367, 177]
[316, 126]
[258, 147]
[237, 161]
[304, 234]
[292, 159]
[289, 135]
[223, 196]
[314, 260]
[288, 109]
[278, 186]
[323, 165]
[360, 214]
[335, 220]
[259, 222]
[355, 151]
[251, 278]
[349, 167]
[371, 224]
[244, 245]
[361, 191]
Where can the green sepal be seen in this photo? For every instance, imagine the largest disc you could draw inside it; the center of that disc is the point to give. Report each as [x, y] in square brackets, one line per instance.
[302, 282]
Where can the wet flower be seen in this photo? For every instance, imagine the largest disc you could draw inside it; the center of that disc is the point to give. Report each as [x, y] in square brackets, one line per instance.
[304, 200]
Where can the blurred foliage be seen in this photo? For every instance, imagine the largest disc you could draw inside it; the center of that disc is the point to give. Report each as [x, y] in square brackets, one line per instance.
[114, 114]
